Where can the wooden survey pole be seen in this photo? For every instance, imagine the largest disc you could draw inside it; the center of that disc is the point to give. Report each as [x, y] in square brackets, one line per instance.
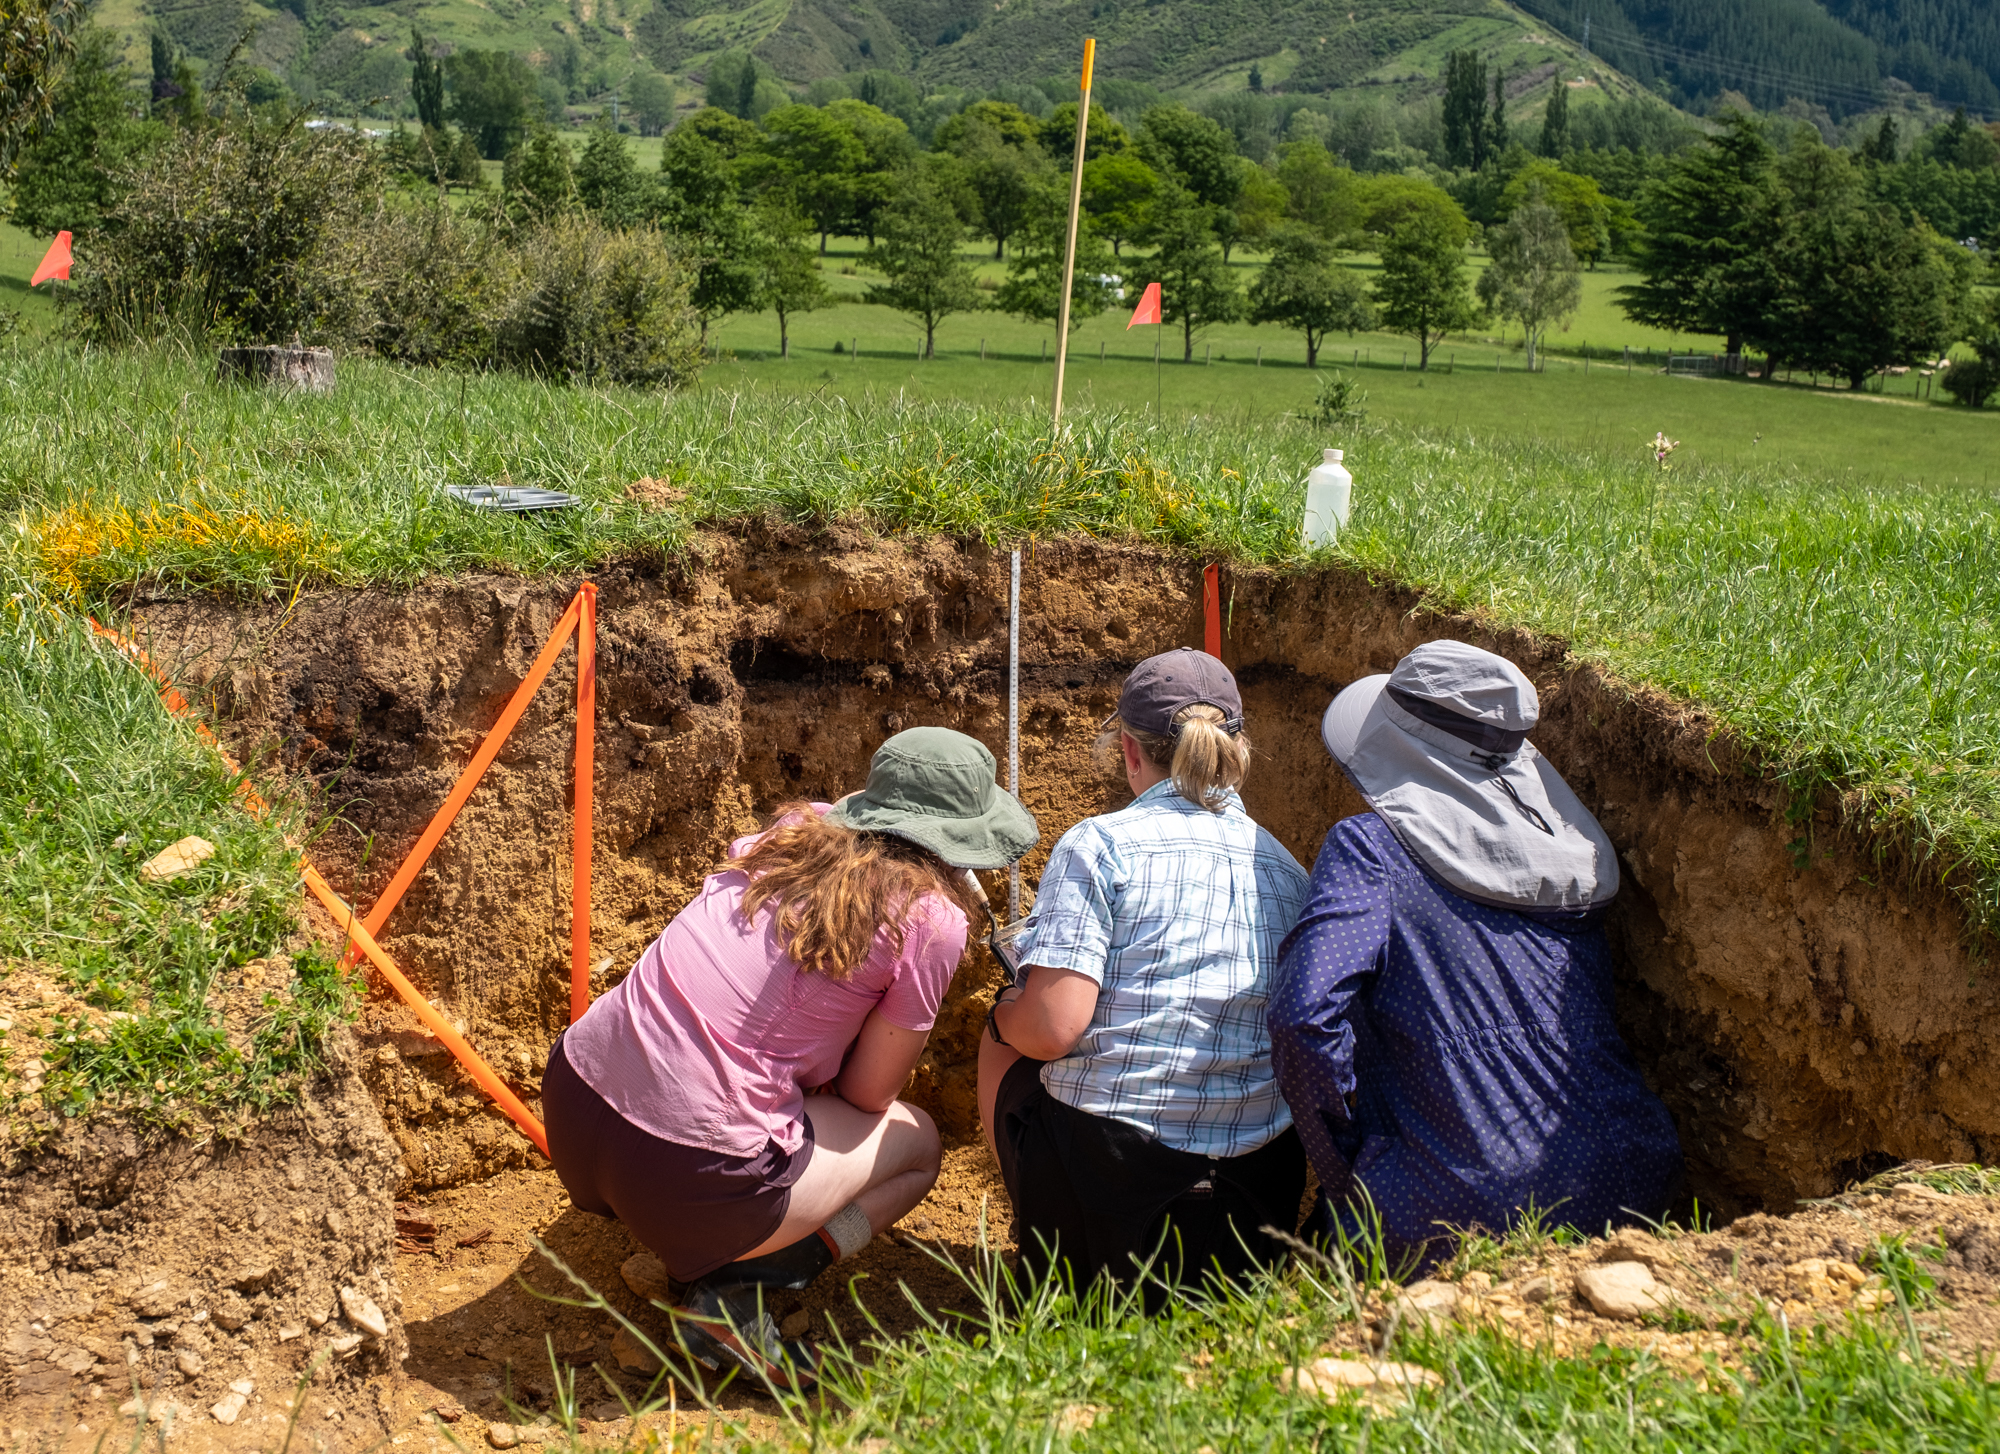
[1069, 241]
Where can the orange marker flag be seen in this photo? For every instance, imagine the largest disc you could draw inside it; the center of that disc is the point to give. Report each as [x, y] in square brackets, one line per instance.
[1148, 310]
[55, 262]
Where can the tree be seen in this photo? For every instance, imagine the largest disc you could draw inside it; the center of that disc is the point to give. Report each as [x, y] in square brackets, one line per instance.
[537, 178]
[1496, 123]
[928, 280]
[1958, 143]
[1118, 192]
[1319, 193]
[494, 95]
[1013, 125]
[608, 182]
[1005, 177]
[1256, 78]
[1464, 110]
[886, 148]
[1854, 288]
[815, 159]
[1534, 277]
[1585, 210]
[1260, 207]
[1102, 138]
[651, 97]
[1973, 381]
[70, 174]
[1033, 290]
[1701, 256]
[36, 38]
[1304, 287]
[426, 82]
[700, 205]
[1193, 150]
[788, 275]
[1422, 289]
[1555, 121]
[1196, 289]
[1885, 144]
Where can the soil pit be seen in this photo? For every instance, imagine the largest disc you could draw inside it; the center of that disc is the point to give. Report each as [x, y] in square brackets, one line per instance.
[1809, 1021]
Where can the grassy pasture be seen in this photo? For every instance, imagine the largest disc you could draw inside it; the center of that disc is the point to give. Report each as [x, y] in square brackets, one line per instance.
[1845, 621]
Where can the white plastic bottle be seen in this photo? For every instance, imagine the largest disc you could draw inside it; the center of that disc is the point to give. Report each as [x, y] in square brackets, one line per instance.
[1329, 489]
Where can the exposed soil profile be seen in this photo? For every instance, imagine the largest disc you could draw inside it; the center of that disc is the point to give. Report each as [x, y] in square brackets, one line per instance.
[1807, 1022]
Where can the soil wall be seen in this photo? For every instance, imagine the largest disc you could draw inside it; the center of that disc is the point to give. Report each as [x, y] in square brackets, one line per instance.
[1803, 1022]
[141, 1266]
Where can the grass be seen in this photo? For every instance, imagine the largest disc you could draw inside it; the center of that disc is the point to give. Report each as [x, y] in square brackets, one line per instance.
[120, 987]
[1844, 622]
[1041, 1367]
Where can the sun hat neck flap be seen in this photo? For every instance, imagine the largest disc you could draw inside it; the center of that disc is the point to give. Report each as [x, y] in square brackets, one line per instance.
[935, 787]
[1499, 827]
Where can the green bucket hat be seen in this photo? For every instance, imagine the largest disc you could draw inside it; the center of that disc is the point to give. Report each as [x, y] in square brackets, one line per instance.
[936, 788]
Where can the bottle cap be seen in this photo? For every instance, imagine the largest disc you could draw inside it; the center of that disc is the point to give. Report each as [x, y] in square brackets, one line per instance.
[1333, 456]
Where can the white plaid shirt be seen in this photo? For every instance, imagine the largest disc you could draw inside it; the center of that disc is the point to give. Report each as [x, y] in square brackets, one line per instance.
[1177, 913]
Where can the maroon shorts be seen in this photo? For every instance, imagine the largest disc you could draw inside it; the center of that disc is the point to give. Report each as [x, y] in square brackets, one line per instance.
[692, 1208]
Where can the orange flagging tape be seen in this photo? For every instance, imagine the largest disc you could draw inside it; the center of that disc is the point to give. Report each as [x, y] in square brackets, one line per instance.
[436, 1023]
[1211, 605]
[361, 933]
[586, 719]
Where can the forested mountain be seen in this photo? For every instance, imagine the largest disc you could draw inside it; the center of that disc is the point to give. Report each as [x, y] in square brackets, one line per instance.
[1848, 56]
[1845, 55]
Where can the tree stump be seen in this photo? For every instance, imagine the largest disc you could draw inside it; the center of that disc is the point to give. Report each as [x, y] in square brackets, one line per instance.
[286, 365]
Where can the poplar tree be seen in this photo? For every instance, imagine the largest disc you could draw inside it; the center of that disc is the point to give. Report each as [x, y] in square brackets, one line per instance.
[426, 82]
[1555, 122]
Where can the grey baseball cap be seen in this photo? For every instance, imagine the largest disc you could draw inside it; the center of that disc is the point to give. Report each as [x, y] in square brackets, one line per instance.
[1160, 686]
[1439, 749]
[936, 788]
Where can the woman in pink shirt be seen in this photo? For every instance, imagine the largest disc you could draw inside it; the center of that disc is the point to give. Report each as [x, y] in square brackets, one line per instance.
[813, 960]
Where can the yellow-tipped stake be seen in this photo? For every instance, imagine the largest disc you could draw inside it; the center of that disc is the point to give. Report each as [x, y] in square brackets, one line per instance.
[1069, 242]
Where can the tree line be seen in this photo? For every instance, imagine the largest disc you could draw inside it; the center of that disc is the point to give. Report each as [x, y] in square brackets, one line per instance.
[1814, 256]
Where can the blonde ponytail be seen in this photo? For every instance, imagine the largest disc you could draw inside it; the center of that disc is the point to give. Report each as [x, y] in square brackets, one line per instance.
[1206, 763]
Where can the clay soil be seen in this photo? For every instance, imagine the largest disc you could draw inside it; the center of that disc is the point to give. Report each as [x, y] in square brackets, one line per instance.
[1809, 1018]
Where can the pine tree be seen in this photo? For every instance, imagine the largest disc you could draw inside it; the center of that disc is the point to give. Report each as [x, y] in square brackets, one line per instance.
[1256, 78]
[69, 174]
[537, 177]
[1701, 257]
[608, 182]
[1496, 125]
[1555, 122]
[1884, 144]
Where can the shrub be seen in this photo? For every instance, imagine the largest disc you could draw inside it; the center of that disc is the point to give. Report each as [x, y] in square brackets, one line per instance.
[596, 305]
[439, 285]
[250, 232]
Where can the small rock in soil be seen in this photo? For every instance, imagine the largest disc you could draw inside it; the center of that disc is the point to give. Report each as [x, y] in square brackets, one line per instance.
[796, 1325]
[362, 1312]
[228, 1407]
[631, 1354]
[1538, 1290]
[189, 1362]
[1428, 1302]
[346, 1345]
[503, 1436]
[176, 859]
[646, 1275]
[1635, 1244]
[231, 1313]
[1621, 1290]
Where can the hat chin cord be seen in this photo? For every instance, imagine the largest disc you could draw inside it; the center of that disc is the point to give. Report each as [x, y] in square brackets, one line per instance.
[1536, 817]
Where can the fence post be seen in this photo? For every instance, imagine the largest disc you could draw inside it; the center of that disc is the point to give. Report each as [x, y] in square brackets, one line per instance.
[982, 350]
[1207, 354]
[1100, 350]
[854, 347]
[1260, 355]
[1406, 360]
[1045, 350]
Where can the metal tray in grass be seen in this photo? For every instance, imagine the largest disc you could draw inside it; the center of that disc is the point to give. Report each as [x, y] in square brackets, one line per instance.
[514, 499]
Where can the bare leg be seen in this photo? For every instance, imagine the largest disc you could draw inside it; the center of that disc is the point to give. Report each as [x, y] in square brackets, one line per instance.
[995, 1060]
[885, 1162]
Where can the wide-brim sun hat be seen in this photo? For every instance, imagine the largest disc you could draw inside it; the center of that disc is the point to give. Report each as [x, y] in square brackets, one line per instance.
[1439, 749]
[936, 788]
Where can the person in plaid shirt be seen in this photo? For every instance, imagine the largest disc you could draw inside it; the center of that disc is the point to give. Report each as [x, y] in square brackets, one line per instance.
[1125, 1080]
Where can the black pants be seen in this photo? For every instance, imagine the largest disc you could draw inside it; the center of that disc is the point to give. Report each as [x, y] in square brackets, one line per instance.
[1103, 1197]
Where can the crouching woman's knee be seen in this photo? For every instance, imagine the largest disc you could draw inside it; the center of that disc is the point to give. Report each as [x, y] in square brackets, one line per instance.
[916, 1144]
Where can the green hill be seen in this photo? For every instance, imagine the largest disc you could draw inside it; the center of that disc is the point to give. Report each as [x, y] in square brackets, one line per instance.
[1844, 55]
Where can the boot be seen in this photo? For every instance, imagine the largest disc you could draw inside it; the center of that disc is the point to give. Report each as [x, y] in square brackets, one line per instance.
[727, 1320]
